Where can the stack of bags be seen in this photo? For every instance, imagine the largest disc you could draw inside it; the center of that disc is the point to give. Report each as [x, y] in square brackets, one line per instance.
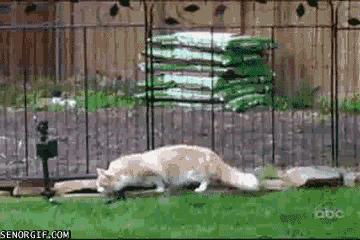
[225, 67]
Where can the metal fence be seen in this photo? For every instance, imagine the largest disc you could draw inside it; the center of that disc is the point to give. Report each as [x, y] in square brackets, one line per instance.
[93, 134]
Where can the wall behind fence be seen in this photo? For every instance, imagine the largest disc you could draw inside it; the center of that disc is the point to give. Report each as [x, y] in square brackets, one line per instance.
[303, 54]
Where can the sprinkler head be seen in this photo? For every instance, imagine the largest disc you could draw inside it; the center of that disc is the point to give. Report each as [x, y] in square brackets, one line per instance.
[43, 127]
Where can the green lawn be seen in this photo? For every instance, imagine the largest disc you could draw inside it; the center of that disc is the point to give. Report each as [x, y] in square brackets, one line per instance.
[277, 214]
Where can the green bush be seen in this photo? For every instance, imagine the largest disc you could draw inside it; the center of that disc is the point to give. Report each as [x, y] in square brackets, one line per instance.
[281, 103]
[324, 105]
[33, 100]
[9, 95]
[304, 98]
[351, 105]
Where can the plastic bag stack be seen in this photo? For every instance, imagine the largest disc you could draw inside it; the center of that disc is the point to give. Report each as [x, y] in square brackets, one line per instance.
[224, 67]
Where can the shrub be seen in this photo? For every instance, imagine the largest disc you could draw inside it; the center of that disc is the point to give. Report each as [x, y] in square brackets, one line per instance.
[304, 97]
[269, 172]
[103, 99]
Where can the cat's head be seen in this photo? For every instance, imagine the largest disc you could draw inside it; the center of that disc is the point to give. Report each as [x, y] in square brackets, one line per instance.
[105, 182]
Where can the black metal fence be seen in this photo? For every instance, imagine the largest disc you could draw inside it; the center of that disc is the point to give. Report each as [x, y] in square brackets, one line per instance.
[94, 133]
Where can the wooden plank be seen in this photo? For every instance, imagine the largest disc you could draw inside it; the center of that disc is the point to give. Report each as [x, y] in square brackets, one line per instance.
[264, 13]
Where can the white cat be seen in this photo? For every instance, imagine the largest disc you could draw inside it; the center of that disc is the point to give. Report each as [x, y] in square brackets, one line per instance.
[175, 165]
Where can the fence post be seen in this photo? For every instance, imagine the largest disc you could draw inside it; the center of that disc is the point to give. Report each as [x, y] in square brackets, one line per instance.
[272, 96]
[86, 99]
[152, 77]
[334, 86]
[25, 63]
[336, 89]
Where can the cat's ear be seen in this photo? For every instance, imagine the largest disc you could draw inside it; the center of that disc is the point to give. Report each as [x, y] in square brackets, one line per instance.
[109, 175]
[100, 171]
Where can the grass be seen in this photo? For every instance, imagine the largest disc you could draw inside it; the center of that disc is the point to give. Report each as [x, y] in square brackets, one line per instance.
[278, 214]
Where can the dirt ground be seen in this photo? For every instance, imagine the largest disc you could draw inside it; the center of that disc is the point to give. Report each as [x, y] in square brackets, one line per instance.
[244, 140]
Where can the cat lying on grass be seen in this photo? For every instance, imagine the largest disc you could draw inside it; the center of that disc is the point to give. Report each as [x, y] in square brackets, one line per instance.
[171, 166]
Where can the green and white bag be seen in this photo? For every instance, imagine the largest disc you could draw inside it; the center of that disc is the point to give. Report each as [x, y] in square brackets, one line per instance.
[233, 83]
[238, 91]
[180, 94]
[219, 41]
[245, 102]
[182, 67]
[186, 55]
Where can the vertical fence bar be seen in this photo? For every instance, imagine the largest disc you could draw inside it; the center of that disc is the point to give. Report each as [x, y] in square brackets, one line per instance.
[152, 78]
[147, 77]
[25, 76]
[86, 99]
[5, 127]
[272, 96]
[212, 91]
[336, 90]
[332, 85]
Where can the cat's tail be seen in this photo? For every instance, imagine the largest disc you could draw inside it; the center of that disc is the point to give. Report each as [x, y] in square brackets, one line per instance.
[238, 179]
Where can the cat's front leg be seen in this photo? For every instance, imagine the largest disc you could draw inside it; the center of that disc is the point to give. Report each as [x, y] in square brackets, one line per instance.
[160, 186]
[118, 195]
[203, 186]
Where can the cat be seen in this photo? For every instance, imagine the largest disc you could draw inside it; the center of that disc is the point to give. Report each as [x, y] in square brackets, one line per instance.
[174, 165]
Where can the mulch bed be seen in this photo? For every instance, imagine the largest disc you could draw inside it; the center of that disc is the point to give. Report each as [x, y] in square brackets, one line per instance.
[244, 140]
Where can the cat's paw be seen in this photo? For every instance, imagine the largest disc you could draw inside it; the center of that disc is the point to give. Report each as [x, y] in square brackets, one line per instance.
[160, 189]
[199, 190]
[203, 186]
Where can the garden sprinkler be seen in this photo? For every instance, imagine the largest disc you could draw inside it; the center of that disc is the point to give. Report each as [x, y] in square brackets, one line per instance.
[46, 149]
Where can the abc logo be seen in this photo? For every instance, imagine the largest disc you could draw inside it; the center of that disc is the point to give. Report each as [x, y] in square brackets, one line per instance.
[326, 213]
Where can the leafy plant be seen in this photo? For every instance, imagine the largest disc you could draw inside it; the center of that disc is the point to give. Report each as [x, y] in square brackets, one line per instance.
[33, 100]
[345, 105]
[103, 99]
[192, 8]
[171, 21]
[55, 108]
[269, 172]
[300, 10]
[324, 105]
[305, 97]
[281, 103]
[351, 105]
[114, 10]
[9, 95]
